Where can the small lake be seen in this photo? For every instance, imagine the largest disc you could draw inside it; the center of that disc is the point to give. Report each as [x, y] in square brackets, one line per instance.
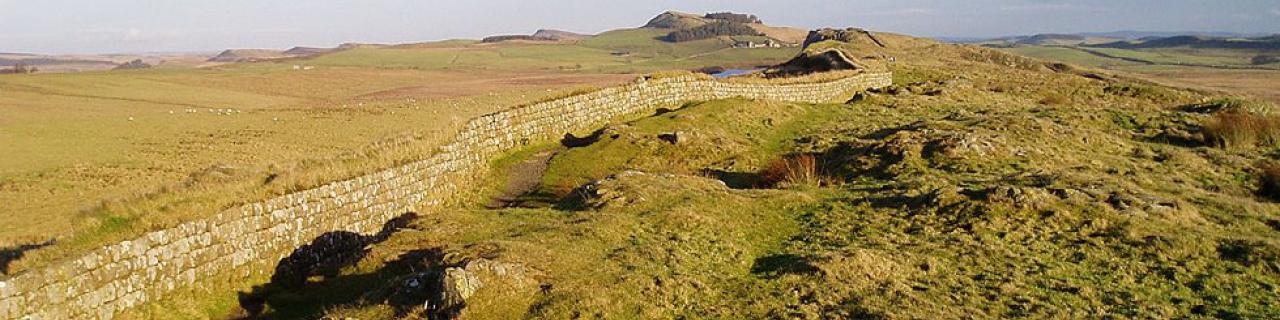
[733, 72]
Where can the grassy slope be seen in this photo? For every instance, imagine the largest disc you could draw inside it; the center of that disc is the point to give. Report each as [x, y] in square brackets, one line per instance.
[976, 202]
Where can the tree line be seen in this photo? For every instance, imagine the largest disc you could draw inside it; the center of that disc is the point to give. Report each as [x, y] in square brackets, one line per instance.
[20, 68]
[714, 29]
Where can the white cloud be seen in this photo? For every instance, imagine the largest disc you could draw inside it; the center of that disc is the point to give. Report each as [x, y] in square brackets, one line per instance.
[1275, 11]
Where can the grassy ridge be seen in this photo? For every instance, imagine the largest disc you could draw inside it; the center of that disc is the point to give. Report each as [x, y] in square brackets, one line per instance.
[977, 202]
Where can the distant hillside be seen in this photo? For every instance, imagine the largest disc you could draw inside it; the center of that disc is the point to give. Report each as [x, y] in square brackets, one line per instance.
[1088, 37]
[560, 34]
[244, 55]
[1134, 35]
[303, 51]
[42, 61]
[1200, 42]
[352, 45]
[1045, 39]
[250, 55]
[540, 35]
[1053, 39]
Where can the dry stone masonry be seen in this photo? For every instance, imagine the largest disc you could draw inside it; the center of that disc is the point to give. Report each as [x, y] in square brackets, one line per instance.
[250, 239]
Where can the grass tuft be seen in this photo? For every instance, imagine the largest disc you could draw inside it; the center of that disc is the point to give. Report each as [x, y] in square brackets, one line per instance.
[794, 170]
[1242, 130]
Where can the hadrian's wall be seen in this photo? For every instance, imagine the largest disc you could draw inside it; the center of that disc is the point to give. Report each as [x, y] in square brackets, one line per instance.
[250, 239]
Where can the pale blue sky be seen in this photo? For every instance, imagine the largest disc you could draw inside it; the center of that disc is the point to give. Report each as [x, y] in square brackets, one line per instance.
[100, 26]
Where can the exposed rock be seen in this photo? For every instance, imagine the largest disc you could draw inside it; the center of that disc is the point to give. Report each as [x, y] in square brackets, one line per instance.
[672, 137]
[457, 284]
[1021, 197]
[858, 97]
[849, 35]
[135, 64]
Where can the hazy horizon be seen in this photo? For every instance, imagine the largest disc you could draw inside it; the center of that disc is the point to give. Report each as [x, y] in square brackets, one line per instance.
[135, 26]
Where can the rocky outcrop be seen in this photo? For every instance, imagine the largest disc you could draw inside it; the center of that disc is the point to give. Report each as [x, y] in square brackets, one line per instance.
[834, 50]
[459, 283]
[848, 35]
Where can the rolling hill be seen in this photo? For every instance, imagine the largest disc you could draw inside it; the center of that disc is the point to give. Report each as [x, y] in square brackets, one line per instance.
[1198, 42]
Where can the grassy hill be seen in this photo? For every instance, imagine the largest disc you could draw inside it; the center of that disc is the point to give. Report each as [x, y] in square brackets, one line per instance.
[983, 184]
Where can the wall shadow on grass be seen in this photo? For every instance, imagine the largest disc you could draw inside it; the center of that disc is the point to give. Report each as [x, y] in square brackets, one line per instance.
[777, 265]
[10, 254]
[736, 180]
[309, 281]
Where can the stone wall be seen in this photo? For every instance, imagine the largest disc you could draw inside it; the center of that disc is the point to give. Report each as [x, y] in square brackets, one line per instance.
[251, 239]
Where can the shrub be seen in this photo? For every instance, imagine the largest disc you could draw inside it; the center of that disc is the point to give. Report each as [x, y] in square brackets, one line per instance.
[714, 29]
[1269, 180]
[1236, 129]
[20, 68]
[801, 169]
[1263, 59]
[135, 64]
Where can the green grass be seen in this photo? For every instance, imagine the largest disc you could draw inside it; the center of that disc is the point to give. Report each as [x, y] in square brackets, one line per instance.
[1068, 55]
[972, 203]
[1164, 56]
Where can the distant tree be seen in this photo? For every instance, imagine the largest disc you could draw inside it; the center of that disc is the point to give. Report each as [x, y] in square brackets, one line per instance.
[715, 29]
[733, 17]
[135, 64]
[1263, 59]
[20, 68]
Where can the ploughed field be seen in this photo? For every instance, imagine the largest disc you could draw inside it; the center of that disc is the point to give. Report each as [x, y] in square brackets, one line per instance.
[97, 157]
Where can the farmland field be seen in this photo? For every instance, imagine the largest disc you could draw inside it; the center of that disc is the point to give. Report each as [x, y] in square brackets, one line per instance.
[1208, 69]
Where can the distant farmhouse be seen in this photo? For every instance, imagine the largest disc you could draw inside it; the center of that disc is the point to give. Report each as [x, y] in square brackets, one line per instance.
[768, 43]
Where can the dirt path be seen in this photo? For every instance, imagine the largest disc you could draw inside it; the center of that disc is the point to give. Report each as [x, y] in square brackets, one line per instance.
[523, 179]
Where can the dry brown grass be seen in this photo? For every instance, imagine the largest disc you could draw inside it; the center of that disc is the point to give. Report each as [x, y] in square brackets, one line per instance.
[794, 170]
[1235, 129]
